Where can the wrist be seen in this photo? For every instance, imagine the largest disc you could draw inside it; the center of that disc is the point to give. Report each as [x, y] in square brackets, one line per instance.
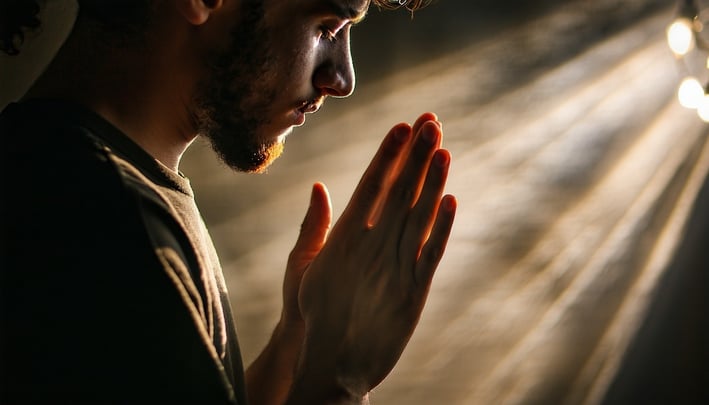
[285, 345]
[319, 379]
[324, 390]
[289, 328]
[270, 376]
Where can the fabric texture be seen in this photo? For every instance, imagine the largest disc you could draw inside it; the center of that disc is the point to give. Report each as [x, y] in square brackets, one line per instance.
[110, 287]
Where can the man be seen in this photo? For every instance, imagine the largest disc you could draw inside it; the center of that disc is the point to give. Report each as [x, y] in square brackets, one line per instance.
[111, 289]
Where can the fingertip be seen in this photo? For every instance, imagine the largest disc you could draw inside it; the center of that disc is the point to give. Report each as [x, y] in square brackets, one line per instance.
[320, 192]
[431, 133]
[320, 209]
[427, 116]
[319, 187]
[401, 133]
[423, 118]
[442, 158]
[401, 126]
[314, 191]
[449, 203]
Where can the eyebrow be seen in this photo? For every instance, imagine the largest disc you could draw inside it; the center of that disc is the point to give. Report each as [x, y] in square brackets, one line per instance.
[345, 11]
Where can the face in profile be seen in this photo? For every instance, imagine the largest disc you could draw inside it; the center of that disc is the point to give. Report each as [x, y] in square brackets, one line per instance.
[283, 59]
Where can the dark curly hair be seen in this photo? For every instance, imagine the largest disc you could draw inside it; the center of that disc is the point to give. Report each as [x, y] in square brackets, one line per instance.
[123, 17]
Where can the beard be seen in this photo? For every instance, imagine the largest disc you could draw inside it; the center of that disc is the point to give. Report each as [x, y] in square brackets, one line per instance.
[232, 105]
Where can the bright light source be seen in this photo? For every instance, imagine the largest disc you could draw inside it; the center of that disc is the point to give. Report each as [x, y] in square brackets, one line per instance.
[680, 36]
[690, 93]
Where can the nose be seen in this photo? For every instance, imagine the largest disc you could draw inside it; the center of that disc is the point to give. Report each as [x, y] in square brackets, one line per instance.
[335, 75]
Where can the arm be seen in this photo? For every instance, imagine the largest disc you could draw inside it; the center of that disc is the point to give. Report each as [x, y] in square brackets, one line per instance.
[270, 376]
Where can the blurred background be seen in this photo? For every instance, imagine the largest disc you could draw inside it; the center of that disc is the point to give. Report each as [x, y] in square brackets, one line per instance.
[574, 164]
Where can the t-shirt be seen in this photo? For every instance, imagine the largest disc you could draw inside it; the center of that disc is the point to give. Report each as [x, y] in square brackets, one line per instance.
[110, 287]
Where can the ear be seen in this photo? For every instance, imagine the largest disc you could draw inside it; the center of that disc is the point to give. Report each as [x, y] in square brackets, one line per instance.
[197, 12]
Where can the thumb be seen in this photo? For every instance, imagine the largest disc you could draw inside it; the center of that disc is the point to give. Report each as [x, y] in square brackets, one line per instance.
[314, 230]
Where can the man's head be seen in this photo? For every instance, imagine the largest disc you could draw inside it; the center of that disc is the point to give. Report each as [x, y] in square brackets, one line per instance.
[263, 64]
[282, 60]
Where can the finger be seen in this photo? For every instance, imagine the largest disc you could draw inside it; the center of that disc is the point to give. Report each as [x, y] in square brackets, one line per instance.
[396, 169]
[415, 129]
[405, 189]
[422, 119]
[376, 179]
[420, 221]
[432, 251]
[314, 230]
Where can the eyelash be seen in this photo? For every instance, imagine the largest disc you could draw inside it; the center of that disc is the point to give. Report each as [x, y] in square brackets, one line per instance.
[327, 34]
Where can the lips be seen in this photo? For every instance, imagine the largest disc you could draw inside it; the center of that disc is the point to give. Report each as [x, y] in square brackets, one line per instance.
[309, 107]
[306, 107]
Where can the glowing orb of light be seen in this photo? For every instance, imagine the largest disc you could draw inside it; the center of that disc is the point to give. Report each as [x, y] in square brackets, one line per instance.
[680, 36]
[690, 93]
[703, 109]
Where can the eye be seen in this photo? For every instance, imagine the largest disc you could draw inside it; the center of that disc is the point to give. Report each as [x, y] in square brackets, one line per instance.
[326, 33]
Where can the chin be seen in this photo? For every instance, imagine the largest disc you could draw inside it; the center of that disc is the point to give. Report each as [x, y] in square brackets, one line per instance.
[268, 157]
[271, 149]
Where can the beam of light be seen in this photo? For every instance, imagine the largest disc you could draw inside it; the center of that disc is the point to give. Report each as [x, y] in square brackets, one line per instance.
[609, 353]
[581, 314]
[680, 36]
[557, 178]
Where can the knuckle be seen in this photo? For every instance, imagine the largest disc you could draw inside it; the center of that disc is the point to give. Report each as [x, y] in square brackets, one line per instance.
[432, 254]
[403, 192]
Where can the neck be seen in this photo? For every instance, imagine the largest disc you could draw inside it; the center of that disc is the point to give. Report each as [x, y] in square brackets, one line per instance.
[127, 87]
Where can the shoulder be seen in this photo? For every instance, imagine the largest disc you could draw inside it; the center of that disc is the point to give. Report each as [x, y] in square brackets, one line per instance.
[87, 296]
[65, 199]
[47, 154]
[66, 196]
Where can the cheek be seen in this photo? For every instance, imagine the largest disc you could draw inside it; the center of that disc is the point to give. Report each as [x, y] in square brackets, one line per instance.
[299, 61]
[294, 39]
